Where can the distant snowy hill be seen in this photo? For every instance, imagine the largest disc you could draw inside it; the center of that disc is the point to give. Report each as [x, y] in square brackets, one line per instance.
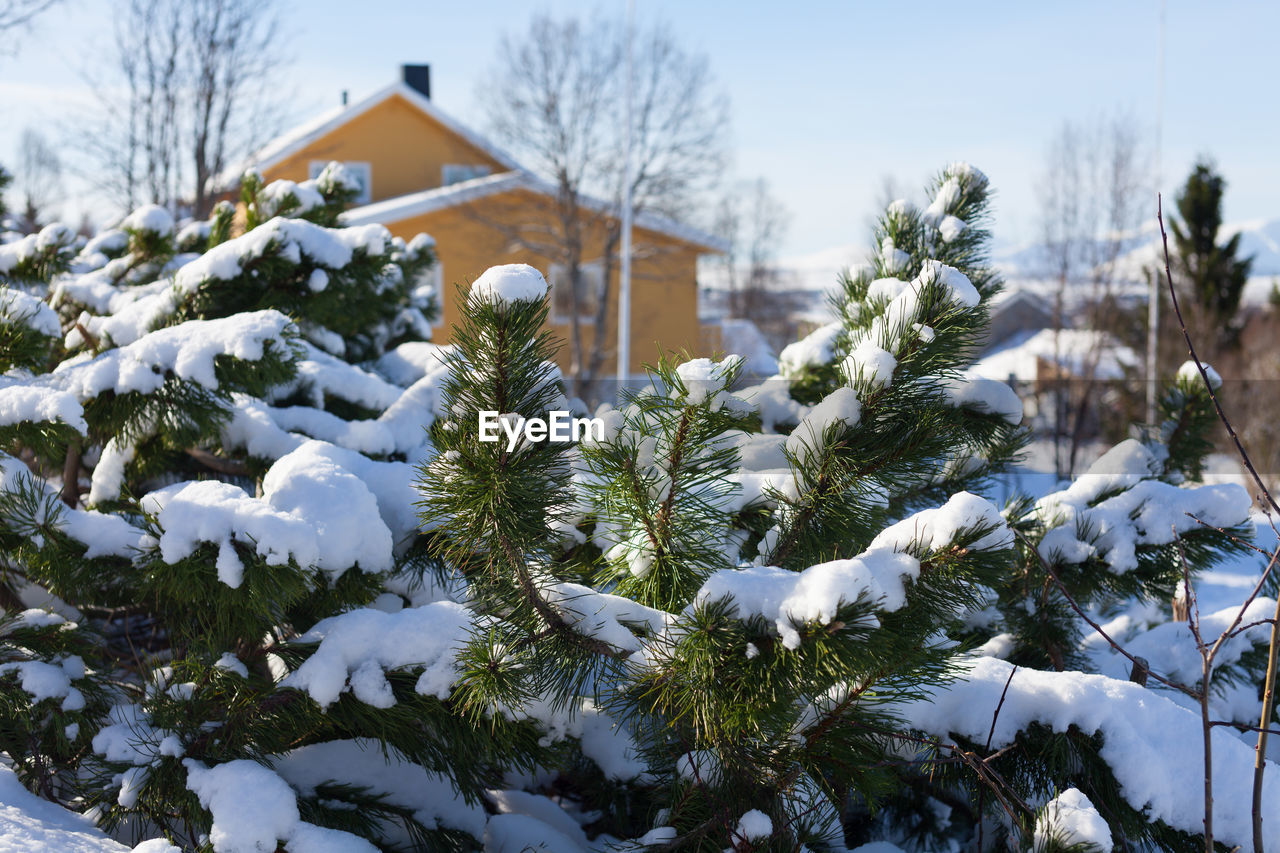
[810, 278]
[1024, 267]
[1259, 238]
[820, 271]
[1262, 240]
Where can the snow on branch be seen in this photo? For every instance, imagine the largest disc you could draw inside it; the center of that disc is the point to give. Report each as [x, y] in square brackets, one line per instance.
[1152, 744]
[188, 351]
[879, 574]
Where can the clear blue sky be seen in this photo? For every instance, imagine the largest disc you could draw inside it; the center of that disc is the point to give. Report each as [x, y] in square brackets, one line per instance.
[827, 97]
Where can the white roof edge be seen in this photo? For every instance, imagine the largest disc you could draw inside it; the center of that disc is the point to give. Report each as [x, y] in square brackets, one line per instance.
[688, 233]
[428, 201]
[647, 220]
[293, 141]
[439, 198]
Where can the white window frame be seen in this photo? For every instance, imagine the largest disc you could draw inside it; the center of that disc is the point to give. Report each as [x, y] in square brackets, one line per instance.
[456, 173]
[361, 169]
[591, 271]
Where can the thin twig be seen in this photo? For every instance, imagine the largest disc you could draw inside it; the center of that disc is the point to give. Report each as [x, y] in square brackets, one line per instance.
[1269, 504]
[1268, 702]
[1243, 628]
[1094, 625]
[220, 464]
[991, 733]
[1235, 539]
[1206, 674]
[1204, 374]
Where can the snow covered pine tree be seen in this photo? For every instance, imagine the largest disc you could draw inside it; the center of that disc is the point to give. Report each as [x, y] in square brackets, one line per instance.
[767, 618]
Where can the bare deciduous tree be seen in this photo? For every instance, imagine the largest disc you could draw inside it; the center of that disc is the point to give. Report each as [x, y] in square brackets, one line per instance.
[557, 98]
[18, 13]
[38, 178]
[753, 223]
[235, 48]
[198, 93]
[1093, 192]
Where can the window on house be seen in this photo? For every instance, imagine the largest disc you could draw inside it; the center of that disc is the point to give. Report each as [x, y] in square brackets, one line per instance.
[562, 291]
[452, 173]
[361, 170]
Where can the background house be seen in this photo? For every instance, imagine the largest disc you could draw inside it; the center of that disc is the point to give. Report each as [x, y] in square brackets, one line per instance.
[421, 171]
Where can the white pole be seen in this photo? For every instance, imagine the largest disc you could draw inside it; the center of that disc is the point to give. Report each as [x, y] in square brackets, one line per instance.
[624, 274]
[1153, 294]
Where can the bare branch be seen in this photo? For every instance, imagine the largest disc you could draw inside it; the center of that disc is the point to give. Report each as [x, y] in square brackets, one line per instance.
[195, 92]
[1191, 350]
[556, 98]
[1070, 599]
[19, 13]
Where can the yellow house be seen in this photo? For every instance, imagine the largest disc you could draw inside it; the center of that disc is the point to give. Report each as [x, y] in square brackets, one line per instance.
[421, 171]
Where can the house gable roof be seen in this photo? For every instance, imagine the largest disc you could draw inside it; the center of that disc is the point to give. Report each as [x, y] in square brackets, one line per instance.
[438, 198]
[429, 201]
[286, 145]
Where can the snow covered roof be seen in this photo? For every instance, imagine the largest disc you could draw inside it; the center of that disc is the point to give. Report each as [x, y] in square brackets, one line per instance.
[429, 201]
[1014, 296]
[1075, 350]
[293, 141]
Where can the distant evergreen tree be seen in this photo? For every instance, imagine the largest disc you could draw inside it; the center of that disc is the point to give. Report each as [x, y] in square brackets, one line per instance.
[5, 180]
[1211, 271]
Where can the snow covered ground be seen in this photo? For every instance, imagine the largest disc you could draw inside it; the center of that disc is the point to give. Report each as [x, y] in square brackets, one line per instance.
[29, 824]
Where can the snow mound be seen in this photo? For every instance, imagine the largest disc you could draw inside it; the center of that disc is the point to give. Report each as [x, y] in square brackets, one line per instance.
[1071, 819]
[816, 348]
[151, 219]
[1147, 512]
[21, 308]
[429, 796]
[1149, 740]
[253, 808]
[985, 395]
[190, 514]
[841, 407]
[188, 351]
[503, 286]
[100, 533]
[1188, 372]
[20, 403]
[29, 823]
[879, 574]
[336, 503]
[356, 648]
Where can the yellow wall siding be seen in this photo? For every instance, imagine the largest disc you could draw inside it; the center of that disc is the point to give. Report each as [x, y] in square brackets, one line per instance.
[405, 147]
[664, 302]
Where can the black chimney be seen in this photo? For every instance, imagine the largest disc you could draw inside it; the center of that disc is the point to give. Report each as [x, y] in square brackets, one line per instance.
[418, 78]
